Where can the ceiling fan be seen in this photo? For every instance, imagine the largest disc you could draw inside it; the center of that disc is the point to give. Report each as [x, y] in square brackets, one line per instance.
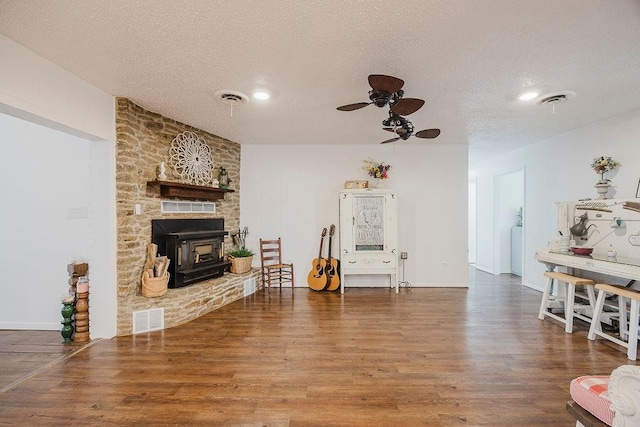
[387, 90]
[404, 129]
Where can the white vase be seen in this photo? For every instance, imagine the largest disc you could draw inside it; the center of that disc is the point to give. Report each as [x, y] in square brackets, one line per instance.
[602, 189]
[379, 183]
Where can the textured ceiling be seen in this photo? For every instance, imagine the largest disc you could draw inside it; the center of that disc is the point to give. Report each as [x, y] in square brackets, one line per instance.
[469, 59]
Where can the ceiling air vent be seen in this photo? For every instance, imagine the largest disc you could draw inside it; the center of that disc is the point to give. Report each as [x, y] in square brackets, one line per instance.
[232, 98]
[556, 98]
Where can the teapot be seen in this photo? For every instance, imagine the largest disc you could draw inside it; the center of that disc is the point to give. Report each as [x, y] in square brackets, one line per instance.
[579, 228]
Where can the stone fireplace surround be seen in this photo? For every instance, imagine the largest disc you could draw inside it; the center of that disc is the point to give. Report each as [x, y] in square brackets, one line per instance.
[143, 141]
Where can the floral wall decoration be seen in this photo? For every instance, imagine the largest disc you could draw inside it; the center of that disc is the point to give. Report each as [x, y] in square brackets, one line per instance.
[375, 169]
[190, 157]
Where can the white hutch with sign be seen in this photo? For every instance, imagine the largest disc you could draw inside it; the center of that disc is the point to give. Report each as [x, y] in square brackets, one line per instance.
[369, 234]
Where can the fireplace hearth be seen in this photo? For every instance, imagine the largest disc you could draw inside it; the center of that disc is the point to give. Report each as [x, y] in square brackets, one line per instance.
[194, 246]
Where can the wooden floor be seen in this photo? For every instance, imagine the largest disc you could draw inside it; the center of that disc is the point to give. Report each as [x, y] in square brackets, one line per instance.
[430, 357]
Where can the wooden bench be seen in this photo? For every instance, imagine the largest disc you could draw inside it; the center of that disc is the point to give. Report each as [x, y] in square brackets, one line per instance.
[569, 298]
[631, 335]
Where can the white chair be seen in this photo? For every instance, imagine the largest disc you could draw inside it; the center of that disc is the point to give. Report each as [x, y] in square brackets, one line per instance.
[619, 406]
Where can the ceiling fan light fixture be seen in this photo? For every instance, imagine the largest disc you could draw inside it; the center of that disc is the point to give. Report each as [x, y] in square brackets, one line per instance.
[528, 96]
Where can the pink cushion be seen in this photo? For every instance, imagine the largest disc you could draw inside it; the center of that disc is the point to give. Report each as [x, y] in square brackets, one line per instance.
[592, 393]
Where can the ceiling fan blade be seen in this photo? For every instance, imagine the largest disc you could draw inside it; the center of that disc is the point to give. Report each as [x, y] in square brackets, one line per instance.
[390, 140]
[406, 106]
[351, 107]
[428, 133]
[399, 131]
[379, 82]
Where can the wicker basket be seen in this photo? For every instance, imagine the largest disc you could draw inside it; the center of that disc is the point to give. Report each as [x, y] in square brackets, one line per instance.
[154, 286]
[241, 265]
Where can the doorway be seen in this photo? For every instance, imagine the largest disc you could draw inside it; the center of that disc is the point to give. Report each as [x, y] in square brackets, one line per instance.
[509, 223]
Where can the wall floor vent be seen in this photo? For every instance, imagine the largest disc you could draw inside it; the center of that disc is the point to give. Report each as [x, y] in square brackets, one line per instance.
[249, 286]
[148, 320]
[170, 206]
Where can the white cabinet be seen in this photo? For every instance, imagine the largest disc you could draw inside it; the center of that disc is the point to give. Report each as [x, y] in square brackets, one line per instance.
[369, 234]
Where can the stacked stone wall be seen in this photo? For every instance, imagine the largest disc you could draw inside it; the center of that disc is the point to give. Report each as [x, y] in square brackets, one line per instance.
[143, 142]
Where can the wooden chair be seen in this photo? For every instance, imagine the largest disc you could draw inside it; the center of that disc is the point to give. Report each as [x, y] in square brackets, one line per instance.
[274, 271]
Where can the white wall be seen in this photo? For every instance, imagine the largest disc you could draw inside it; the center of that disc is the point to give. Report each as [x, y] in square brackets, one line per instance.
[37, 90]
[557, 169]
[472, 222]
[292, 192]
[58, 171]
[485, 238]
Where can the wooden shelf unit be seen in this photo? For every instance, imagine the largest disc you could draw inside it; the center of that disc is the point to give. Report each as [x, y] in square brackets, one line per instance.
[188, 191]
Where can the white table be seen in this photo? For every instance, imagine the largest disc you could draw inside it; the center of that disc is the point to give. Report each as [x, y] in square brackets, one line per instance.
[626, 268]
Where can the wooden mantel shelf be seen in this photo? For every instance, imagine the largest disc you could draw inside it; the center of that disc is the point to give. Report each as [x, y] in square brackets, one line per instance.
[188, 191]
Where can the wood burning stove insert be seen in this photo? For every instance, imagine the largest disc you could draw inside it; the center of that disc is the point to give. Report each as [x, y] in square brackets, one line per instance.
[194, 246]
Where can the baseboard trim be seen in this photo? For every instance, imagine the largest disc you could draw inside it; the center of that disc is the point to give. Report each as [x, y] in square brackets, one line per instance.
[486, 270]
[439, 285]
[33, 326]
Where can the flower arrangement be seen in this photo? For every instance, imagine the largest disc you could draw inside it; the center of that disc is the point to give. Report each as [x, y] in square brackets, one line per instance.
[375, 169]
[604, 164]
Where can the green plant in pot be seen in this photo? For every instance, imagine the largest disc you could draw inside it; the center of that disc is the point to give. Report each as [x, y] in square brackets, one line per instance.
[240, 260]
[240, 253]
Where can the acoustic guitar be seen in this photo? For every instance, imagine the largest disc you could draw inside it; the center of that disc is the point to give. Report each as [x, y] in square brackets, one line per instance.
[332, 266]
[317, 279]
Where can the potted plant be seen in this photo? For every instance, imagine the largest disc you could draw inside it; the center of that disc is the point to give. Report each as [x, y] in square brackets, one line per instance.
[240, 260]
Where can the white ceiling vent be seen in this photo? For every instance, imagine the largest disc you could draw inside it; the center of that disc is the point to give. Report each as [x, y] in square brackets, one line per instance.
[232, 98]
[556, 98]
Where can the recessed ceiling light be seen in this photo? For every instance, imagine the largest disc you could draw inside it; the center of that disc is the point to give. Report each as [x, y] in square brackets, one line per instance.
[261, 95]
[528, 96]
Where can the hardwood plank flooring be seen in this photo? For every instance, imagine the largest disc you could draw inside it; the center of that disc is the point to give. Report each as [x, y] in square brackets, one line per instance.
[428, 357]
[24, 352]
